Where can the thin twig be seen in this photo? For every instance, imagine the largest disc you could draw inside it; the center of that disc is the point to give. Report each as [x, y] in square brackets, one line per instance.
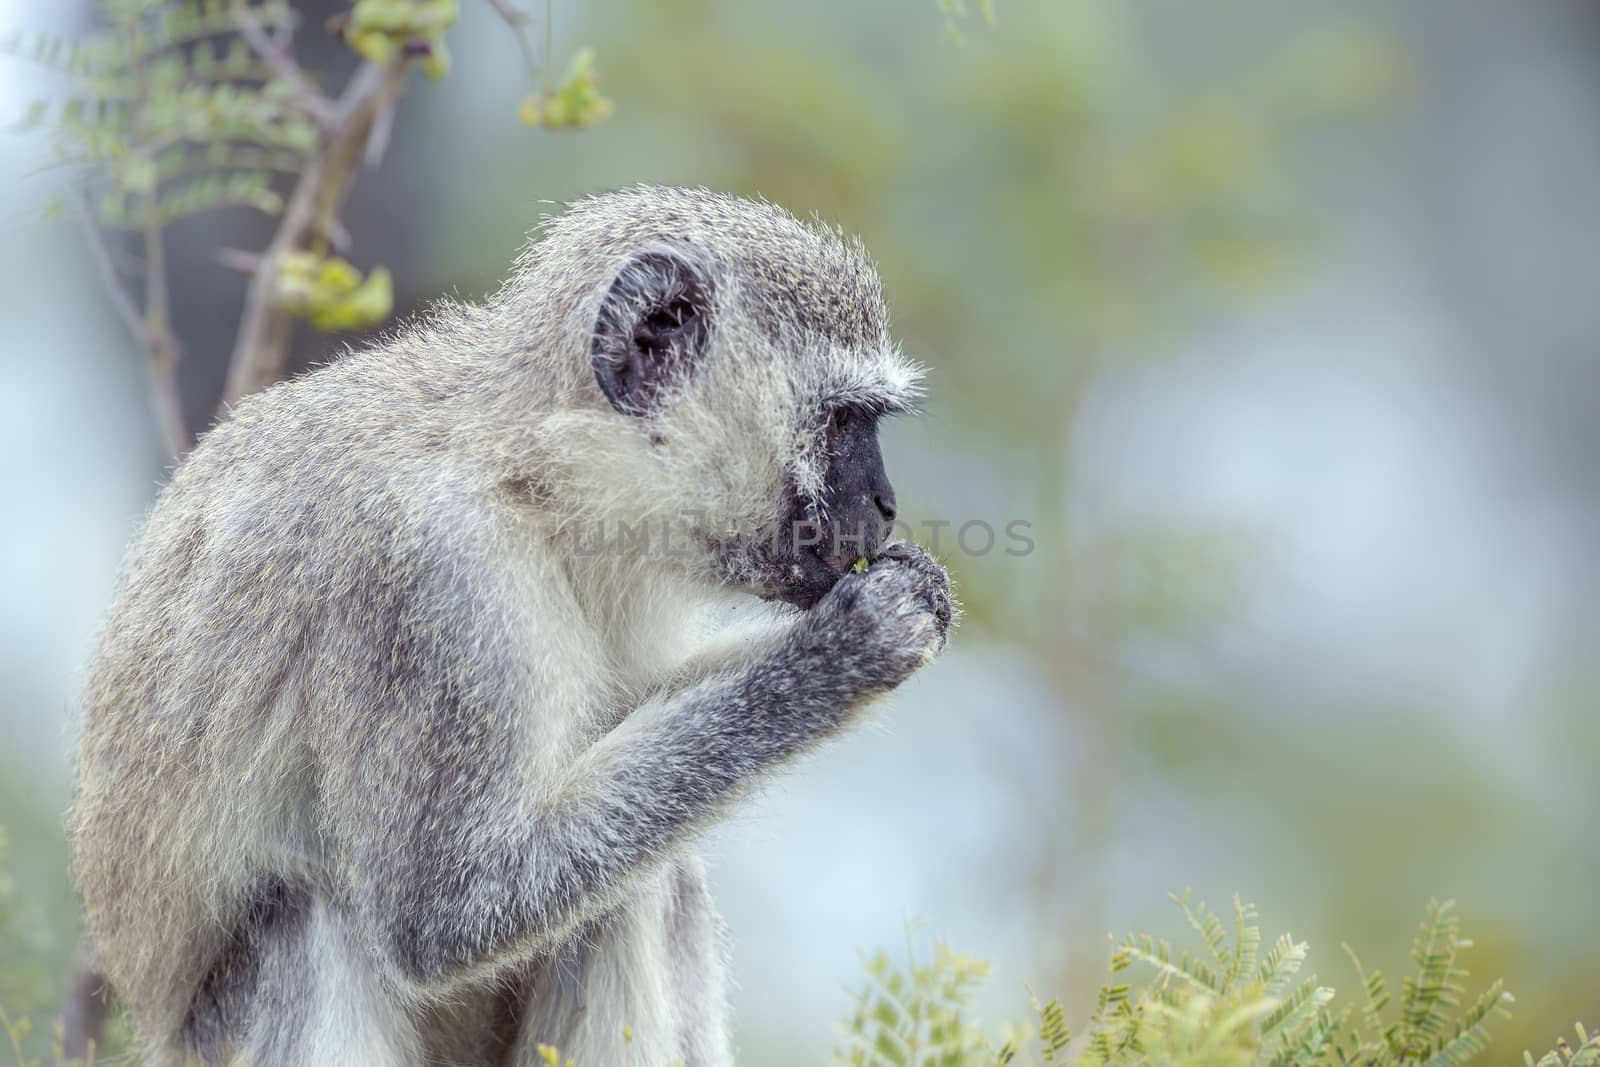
[513, 15]
[261, 347]
[283, 34]
[337, 235]
[239, 260]
[160, 348]
[275, 53]
[121, 299]
[378, 139]
[366, 123]
[518, 21]
[162, 345]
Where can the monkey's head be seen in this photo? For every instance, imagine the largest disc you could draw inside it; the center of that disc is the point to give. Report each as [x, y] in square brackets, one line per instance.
[736, 363]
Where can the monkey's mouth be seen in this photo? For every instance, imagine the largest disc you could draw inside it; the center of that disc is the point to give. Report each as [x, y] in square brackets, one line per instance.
[791, 574]
[802, 558]
[803, 579]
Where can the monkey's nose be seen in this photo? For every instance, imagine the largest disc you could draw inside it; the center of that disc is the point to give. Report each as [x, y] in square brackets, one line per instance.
[885, 503]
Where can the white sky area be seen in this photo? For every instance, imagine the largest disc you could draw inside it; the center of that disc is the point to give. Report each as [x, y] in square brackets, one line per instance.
[78, 459]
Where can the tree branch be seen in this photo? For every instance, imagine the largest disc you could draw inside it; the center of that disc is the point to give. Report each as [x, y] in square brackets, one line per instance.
[121, 299]
[518, 21]
[261, 347]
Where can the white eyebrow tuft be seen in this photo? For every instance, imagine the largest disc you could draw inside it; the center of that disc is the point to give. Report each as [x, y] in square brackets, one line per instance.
[885, 382]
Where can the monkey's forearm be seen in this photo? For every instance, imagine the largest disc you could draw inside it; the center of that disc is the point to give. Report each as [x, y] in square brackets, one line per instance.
[670, 766]
[627, 801]
[729, 653]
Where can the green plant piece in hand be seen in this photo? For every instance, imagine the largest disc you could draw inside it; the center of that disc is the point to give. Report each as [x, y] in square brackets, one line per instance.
[550, 1056]
[577, 104]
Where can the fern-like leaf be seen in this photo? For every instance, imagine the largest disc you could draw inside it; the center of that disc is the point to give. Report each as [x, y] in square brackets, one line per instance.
[914, 1017]
[1282, 963]
[1246, 941]
[1433, 993]
[1054, 1033]
[1209, 927]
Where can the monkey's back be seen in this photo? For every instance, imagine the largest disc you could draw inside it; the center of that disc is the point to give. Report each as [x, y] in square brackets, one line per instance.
[200, 770]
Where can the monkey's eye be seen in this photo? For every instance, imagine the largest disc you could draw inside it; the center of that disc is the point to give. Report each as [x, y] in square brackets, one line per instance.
[838, 419]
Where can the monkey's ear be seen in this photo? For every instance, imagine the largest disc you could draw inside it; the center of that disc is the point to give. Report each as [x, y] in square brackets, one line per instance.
[652, 329]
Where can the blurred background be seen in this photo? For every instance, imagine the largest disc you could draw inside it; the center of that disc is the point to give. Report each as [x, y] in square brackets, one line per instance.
[1276, 320]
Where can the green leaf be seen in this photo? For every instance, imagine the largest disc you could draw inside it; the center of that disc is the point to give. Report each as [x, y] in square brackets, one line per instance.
[577, 104]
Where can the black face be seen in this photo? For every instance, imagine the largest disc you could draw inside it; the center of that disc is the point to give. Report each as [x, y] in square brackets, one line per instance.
[652, 332]
[818, 546]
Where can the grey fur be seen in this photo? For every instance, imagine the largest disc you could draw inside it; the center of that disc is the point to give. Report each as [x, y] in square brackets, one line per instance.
[377, 768]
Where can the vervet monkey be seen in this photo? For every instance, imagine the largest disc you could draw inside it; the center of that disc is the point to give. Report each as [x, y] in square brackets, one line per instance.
[396, 752]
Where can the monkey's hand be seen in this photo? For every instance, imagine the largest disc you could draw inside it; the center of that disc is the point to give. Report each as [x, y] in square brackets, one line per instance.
[883, 623]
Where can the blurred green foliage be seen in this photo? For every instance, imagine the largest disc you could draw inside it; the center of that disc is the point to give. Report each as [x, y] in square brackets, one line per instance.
[171, 112]
[23, 990]
[21, 987]
[1230, 1005]
[956, 12]
[380, 30]
[575, 104]
[332, 294]
[181, 107]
